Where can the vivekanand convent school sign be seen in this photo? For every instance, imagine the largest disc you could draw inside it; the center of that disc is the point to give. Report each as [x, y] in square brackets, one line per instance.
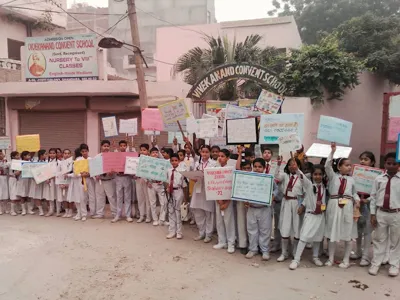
[265, 78]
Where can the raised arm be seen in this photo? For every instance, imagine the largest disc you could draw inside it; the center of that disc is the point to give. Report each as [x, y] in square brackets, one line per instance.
[328, 164]
[279, 176]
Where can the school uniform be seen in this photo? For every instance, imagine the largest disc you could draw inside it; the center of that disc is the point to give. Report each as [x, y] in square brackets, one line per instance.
[49, 188]
[241, 222]
[12, 185]
[105, 187]
[23, 187]
[203, 210]
[123, 185]
[143, 200]
[36, 190]
[225, 221]
[4, 181]
[175, 198]
[154, 189]
[76, 193]
[385, 205]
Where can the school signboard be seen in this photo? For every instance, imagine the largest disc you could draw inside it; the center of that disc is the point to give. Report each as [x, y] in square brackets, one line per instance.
[61, 58]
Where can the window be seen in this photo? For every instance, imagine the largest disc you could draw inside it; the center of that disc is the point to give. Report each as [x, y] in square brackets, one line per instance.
[14, 49]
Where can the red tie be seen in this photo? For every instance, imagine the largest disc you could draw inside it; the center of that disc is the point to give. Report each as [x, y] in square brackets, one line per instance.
[319, 201]
[171, 183]
[386, 199]
[268, 168]
[342, 188]
[289, 187]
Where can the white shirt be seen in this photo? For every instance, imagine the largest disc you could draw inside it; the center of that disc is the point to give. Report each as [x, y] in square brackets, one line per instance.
[379, 189]
[179, 180]
[284, 179]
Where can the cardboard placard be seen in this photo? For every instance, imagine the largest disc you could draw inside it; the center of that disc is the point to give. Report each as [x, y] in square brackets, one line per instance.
[27, 167]
[241, 131]
[269, 102]
[128, 126]
[252, 187]
[153, 168]
[334, 130]
[131, 165]
[218, 183]
[323, 151]
[272, 127]
[96, 166]
[152, 120]
[174, 111]
[289, 143]
[115, 161]
[110, 126]
[365, 177]
[29, 143]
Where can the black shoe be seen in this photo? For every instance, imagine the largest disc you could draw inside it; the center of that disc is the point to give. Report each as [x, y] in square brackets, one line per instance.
[243, 250]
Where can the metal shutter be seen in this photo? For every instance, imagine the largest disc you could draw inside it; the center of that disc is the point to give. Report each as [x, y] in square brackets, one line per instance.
[162, 140]
[56, 129]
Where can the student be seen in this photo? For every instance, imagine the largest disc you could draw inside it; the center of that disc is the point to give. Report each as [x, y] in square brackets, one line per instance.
[124, 191]
[367, 158]
[181, 155]
[175, 198]
[339, 214]
[105, 187]
[215, 150]
[62, 191]
[259, 220]
[314, 205]
[167, 153]
[90, 194]
[249, 155]
[23, 184]
[49, 187]
[189, 155]
[60, 154]
[141, 192]
[225, 216]
[203, 210]
[76, 189]
[36, 190]
[3, 183]
[156, 188]
[12, 184]
[385, 216]
[289, 223]
[267, 156]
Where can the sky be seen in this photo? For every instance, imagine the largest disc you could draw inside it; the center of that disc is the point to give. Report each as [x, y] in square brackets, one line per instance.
[226, 10]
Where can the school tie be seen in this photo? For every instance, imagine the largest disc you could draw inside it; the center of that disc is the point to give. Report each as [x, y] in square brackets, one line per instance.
[386, 199]
[342, 187]
[289, 187]
[319, 201]
[268, 168]
[171, 182]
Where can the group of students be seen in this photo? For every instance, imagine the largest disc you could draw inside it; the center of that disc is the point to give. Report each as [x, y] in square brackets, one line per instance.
[310, 202]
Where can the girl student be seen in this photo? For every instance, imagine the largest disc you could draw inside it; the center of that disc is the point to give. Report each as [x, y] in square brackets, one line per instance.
[364, 230]
[225, 215]
[339, 215]
[85, 196]
[314, 206]
[12, 185]
[23, 184]
[3, 183]
[62, 189]
[49, 187]
[36, 190]
[289, 220]
[203, 210]
[75, 189]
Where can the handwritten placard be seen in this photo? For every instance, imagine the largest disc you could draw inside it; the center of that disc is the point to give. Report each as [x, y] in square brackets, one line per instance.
[29, 143]
[128, 126]
[177, 135]
[334, 130]
[268, 102]
[252, 187]
[323, 151]
[66, 166]
[61, 178]
[152, 119]
[131, 164]
[193, 175]
[207, 128]
[16, 165]
[153, 168]
[96, 166]
[115, 161]
[27, 167]
[394, 106]
[241, 131]
[174, 127]
[44, 172]
[289, 143]
[234, 112]
[5, 143]
[110, 126]
[394, 129]
[274, 167]
[364, 178]
[272, 127]
[174, 111]
[218, 183]
[81, 166]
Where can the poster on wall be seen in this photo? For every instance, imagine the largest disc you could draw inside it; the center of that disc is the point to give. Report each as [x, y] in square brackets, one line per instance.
[61, 58]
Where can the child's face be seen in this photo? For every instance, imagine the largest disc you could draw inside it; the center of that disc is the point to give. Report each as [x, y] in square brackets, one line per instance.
[222, 159]
[391, 165]
[252, 158]
[187, 149]
[144, 151]
[122, 147]
[181, 156]
[365, 161]
[28, 157]
[17, 156]
[105, 147]
[59, 154]
[293, 167]
[205, 153]
[66, 154]
[1, 156]
[267, 154]
[43, 156]
[154, 154]
[85, 153]
[246, 168]
[165, 155]
[52, 155]
[345, 168]
[174, 162]
[317, 176]
[215, 153]
[258, 168]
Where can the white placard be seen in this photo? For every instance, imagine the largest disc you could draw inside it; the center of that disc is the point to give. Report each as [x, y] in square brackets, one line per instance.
[5, 143]
[16, 165]
[110, 126]
[289, 143]
[323, 151]
[129, 126]
[193, 175]
[394, 106]
[66, 166]
[208, 128]
[218, 183]
[131, 165]
[241, 131]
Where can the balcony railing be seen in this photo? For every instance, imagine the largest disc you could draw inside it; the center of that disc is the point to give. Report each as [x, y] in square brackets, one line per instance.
[11, 64]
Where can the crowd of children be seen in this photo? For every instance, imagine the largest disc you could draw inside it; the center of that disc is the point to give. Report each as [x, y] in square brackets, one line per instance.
[311, 203]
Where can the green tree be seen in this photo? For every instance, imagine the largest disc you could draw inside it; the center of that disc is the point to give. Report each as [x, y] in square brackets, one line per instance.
[314, 17]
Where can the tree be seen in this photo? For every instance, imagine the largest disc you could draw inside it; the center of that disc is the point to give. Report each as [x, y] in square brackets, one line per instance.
[375, 40]
[317, 16]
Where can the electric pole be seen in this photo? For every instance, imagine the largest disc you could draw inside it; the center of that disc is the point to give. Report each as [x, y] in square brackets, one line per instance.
[138, 58]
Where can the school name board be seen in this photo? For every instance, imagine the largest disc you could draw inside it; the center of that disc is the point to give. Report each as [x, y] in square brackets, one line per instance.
[261, 75]
[61, 58]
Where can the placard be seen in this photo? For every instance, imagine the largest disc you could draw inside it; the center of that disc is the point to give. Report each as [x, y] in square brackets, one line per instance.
[152, 119]
[29, 143]
[61, 178]
[268, 102]
[5, 143]
[66, 166]
[289, 143]
[153, 168]
[252, 187]
[128, 126]
[149, 132]
[241, 131]
[394, 129]
[115, 161]
[218, 183]
[96, 166]
[234, 112]
[323, 151]
[110, 126]
[131, 165]
[44, 172]
[174, 111]
[27, 167]
[217, 109]
[364, 177]
[274, 166]
[193, 175]
[16, 165]
[81, 166]
[174, 127]
[334, 130]
[177, 135]
[272, 127]
[207, 128]
[394, 106]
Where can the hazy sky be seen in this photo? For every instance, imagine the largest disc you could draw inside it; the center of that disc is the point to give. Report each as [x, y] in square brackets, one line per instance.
[226, 10]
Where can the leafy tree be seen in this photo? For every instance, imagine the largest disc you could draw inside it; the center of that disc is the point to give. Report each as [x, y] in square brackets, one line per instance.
[316, 16]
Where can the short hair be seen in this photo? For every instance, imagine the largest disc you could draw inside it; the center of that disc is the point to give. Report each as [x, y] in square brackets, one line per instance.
[215, 147]
[122, 142]
[182, 151]
[390, 155]
[245, 163]
[84, 147]
[259, 160]
[14, 154]
[24, 154]
[169, 151]
[103, 142]
[267, 148]
[154, 149]
[225, 152]
[174, 155]
[146, 146]
[248, 152]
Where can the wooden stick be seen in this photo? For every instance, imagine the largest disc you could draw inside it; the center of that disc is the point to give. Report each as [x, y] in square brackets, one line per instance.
[180, 128]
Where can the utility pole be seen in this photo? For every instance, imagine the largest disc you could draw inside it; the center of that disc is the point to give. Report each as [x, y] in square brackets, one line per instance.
[138, 58]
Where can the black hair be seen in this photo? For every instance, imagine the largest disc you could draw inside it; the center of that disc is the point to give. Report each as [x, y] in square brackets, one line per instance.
[78, 152]
[370, 155]
[169, 151]
[174, 155]
[308, 166]
[182, 151]
[337, 163]
[84, 147]
[390, 155]
[286, 170]
[24, 154]
[123, 142]
[324, 179]
[267, 148]
[225, 152]
[248, 153]
[58, 149]
[245, 163]
[201, 148]
[40, 153]
[146, 146]
[14, 154]
[52, 150]
[216, 147]
[67, 150]
[152, 149]
[259, 160]
[234, 156]
[103, 142]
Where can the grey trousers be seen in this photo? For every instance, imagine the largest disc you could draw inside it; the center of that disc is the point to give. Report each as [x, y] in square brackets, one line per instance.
[259, 223]
[124, 196]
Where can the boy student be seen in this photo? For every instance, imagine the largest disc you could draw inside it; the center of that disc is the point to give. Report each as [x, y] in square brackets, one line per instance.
[385, 216]
[124, 191]
[105, 187]
[141, 191]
